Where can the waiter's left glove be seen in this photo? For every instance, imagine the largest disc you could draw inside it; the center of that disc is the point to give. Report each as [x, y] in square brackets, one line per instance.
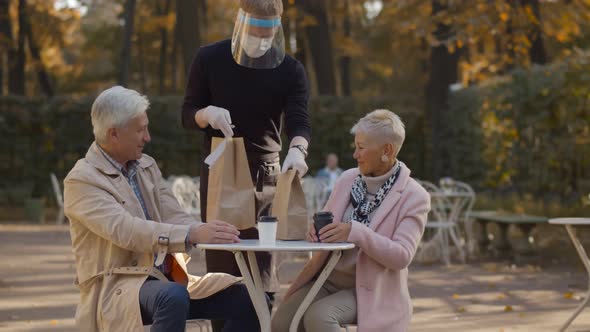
[295, 159]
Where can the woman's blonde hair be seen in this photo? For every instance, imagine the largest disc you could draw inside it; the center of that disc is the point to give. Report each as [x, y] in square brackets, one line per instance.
[383, 125]
[262, 7]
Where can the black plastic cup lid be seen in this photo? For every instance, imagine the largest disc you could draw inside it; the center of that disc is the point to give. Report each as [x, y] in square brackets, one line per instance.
[267, 219]
[324, 214]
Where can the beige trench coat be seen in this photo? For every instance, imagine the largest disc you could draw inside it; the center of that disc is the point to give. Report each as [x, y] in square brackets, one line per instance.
[114, 245]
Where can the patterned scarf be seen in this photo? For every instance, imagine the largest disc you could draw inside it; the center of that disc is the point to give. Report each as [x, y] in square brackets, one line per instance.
[358, 196]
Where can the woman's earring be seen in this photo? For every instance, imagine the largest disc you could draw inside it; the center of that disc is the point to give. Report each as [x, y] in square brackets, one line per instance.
[384, 158]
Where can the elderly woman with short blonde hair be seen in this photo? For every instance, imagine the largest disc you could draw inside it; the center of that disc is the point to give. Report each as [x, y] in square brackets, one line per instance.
[382, 210]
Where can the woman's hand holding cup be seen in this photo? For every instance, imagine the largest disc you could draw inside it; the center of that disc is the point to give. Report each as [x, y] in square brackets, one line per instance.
[320, 220]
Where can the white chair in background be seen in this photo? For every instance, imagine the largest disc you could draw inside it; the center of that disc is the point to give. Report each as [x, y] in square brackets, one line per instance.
[464, 217]
[58, 199]
[308, 184]
[322, 193]
[432, 244]
[429, 186]
[186, 191]
[316, 194]
[446, 208]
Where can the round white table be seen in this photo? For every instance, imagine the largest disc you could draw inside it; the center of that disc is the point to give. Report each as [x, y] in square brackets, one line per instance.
[569, 224]
[254, 282]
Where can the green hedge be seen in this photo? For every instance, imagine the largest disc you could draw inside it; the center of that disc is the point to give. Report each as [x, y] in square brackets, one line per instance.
[530, 130]
[43, 136]
[526, 133]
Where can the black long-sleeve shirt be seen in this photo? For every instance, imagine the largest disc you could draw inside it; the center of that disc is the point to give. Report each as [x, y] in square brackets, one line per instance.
[255, 98]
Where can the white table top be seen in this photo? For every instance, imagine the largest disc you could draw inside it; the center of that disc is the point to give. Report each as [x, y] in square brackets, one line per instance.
[254, 245]
[570, 221]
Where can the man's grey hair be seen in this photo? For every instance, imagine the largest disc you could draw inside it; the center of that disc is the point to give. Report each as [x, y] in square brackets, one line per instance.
[384, 126]
[113, 108]
[262, 7]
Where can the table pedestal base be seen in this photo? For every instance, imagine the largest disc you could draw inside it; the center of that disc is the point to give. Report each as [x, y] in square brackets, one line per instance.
[256, 289]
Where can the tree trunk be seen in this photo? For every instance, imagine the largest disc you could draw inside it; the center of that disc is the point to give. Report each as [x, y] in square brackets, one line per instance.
[174, 61]
[141, 60]
[287, 22]
[302, 54]
[2, 57]
[163, 46]
[6, 42]
[203, 16]
[320, 45]
[537, 52]
[188, 17]
[345, 60]
[129, 14]
[42, 75]
[443, 72]
[16, 57]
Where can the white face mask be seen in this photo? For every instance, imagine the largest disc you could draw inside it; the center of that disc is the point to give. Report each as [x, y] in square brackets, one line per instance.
[255, 47]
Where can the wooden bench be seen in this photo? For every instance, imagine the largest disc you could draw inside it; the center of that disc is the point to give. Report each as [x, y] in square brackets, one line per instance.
[521, 249]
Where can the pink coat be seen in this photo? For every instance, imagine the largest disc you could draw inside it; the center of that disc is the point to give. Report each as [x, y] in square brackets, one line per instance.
[386, 249]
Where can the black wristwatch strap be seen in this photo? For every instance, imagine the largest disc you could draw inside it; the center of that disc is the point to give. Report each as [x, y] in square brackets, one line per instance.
[301, 148]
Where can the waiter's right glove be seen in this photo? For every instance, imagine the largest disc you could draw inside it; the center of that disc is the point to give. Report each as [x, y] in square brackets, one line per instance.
[218, 118]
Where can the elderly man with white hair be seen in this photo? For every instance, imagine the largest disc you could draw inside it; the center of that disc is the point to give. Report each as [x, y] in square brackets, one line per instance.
[382, 210]
[130, 236]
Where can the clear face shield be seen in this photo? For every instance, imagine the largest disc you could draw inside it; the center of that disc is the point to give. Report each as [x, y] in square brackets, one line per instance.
[258, 41]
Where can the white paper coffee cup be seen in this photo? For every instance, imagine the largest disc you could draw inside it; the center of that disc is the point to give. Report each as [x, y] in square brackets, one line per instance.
[267, 229]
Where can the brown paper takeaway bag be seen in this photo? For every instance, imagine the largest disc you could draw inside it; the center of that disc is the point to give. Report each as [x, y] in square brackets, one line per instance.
[230, 196]
[289, 207]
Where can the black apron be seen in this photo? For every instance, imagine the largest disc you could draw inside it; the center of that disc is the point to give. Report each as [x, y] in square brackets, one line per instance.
[264, 169]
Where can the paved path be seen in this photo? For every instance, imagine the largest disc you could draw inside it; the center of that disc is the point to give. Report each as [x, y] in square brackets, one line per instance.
[36, 291]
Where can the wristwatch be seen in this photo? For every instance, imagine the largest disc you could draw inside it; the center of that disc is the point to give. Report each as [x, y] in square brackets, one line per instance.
[301, 148]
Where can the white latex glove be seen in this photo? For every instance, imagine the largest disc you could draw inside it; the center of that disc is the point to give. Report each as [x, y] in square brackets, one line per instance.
[295, 160]
[219, 118]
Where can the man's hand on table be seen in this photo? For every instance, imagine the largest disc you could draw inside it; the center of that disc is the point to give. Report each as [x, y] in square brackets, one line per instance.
[214, 231]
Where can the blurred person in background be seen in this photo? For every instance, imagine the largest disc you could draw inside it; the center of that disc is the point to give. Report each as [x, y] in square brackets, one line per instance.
[331, 172]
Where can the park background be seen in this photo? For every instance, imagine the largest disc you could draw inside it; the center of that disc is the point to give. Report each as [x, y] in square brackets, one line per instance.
[495, 93]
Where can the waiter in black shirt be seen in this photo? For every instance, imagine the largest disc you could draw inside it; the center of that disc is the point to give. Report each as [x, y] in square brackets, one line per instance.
[243, 87]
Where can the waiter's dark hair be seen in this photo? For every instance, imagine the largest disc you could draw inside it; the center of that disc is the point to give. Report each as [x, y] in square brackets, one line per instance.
[262, 7]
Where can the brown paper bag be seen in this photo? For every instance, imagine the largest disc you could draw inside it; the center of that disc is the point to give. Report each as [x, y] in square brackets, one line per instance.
[230, 195]
[289, 207]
